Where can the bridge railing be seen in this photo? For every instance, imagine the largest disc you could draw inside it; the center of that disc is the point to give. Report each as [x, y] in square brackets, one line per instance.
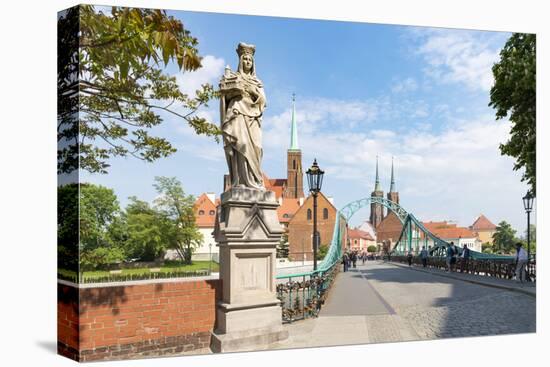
[303, 294]
[503, 268]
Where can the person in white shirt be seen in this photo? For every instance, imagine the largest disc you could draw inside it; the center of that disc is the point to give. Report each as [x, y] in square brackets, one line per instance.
[521, 261]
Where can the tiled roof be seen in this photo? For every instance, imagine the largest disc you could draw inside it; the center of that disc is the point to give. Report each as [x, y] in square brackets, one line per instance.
[357, 233]
[453, 232]
[482, 223]
[431, 226]
[287, 209]
[276, 185]
[204, 205]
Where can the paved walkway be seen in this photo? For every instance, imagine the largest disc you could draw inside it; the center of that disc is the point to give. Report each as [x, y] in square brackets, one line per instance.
[386, 302]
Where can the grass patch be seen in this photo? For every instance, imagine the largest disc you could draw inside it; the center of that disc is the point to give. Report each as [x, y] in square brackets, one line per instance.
[169, 270]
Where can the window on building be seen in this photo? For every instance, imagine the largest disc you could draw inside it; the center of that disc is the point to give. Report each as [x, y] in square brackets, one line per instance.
[309, 214]
[201, 212]
[355, 241]
[212, 212]
[286, 215]
[294, 164]
[325, 213]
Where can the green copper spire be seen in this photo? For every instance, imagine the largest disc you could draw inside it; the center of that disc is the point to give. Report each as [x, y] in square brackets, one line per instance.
[392, 185]
[293, 127]
[377, 184]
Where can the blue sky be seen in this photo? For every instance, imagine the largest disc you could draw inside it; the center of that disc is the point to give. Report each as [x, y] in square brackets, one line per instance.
[362, 90]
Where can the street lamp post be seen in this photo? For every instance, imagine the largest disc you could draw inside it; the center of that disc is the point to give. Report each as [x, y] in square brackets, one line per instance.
[315, 181]
[528, 205]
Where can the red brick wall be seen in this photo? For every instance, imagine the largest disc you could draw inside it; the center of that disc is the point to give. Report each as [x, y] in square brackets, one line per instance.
[130, 321]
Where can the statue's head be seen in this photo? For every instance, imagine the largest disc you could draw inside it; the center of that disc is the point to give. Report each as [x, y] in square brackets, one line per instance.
[246, 58]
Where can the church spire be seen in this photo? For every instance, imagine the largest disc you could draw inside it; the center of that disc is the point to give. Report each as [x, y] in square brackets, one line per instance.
[293, 127]
[392, 185]
[377, 183]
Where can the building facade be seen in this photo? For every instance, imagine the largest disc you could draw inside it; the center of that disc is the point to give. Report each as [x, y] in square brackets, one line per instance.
[389, 229]
[484, 229]
[360, 240]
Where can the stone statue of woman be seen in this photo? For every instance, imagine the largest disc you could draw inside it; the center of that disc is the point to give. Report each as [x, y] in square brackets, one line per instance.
[242, 105]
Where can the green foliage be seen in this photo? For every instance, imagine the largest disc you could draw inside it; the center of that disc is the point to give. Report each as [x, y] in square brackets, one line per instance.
[372, 248]
[514, 94]
[282, 246]
[323, 250]
[145, 228]
[116, 71]
[504, 238]
[99, 209]
[487, 248]
[175, 209]
[67, 226]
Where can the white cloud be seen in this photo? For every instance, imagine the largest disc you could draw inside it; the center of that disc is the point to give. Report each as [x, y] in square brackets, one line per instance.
[210, 72]
[464, 57]
[406, 85]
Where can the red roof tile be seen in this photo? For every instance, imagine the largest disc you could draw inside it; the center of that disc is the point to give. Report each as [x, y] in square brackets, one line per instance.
[205, 211]
[357, 233]
[482, 223]
[287, 209]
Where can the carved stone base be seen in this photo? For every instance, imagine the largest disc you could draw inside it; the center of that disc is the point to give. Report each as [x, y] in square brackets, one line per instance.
[247, 329]
[247, 231]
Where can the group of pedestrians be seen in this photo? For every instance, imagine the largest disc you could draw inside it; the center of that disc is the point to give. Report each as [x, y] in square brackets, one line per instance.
[349, 259]
[453, 253]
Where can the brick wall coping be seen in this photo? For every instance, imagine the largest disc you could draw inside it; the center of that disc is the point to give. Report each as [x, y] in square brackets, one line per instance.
[214, 276]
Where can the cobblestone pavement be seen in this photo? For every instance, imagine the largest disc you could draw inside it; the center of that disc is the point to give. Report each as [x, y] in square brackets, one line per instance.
[401, 304]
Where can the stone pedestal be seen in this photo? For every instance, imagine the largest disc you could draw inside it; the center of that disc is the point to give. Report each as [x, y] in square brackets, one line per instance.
[248, 317]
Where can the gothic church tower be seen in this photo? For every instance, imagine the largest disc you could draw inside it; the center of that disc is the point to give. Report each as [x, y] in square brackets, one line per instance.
[376, 210]
[295, 177]
[393, 195]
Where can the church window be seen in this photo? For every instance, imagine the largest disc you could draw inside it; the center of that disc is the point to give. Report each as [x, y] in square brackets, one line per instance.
[286, 215]
[325, 213]
[212, 212]
[309, 214]
[294, 164]
[201, 212]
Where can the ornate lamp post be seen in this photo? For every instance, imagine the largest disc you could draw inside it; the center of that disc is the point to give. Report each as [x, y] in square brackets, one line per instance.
[315, 181]
[528, 205]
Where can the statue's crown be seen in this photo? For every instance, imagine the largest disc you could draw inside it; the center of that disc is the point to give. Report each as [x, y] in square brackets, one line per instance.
[244, 48]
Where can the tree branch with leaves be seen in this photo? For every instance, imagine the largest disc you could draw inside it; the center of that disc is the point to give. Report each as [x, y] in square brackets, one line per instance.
[113, 88]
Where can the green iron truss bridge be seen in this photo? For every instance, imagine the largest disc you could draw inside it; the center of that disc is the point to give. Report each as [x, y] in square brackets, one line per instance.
[303, 294]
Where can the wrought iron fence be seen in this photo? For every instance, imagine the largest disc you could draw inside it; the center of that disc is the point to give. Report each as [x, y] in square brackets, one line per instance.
[498, 268]
[302, 295]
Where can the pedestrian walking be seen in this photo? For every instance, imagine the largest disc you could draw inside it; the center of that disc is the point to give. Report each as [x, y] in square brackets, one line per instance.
[345, 260]
[424, 256]
[465, 259]
[354, 259]
[521, 261]
[410, 258]
[449, 257]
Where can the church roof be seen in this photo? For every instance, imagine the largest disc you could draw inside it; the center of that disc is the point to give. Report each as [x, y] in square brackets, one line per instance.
[293, 128]
[276, 185]
[482, 223]
[287, 209]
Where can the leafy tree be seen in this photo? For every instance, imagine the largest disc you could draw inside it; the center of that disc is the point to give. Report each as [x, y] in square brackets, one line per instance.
[146, 240]
[514, 94]
[487, 248]
[112, 85]
[323, 250]
[177, 213]
[98, 209]
[282, 246]
[504, 238]
[372, 248]
[67, 227]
